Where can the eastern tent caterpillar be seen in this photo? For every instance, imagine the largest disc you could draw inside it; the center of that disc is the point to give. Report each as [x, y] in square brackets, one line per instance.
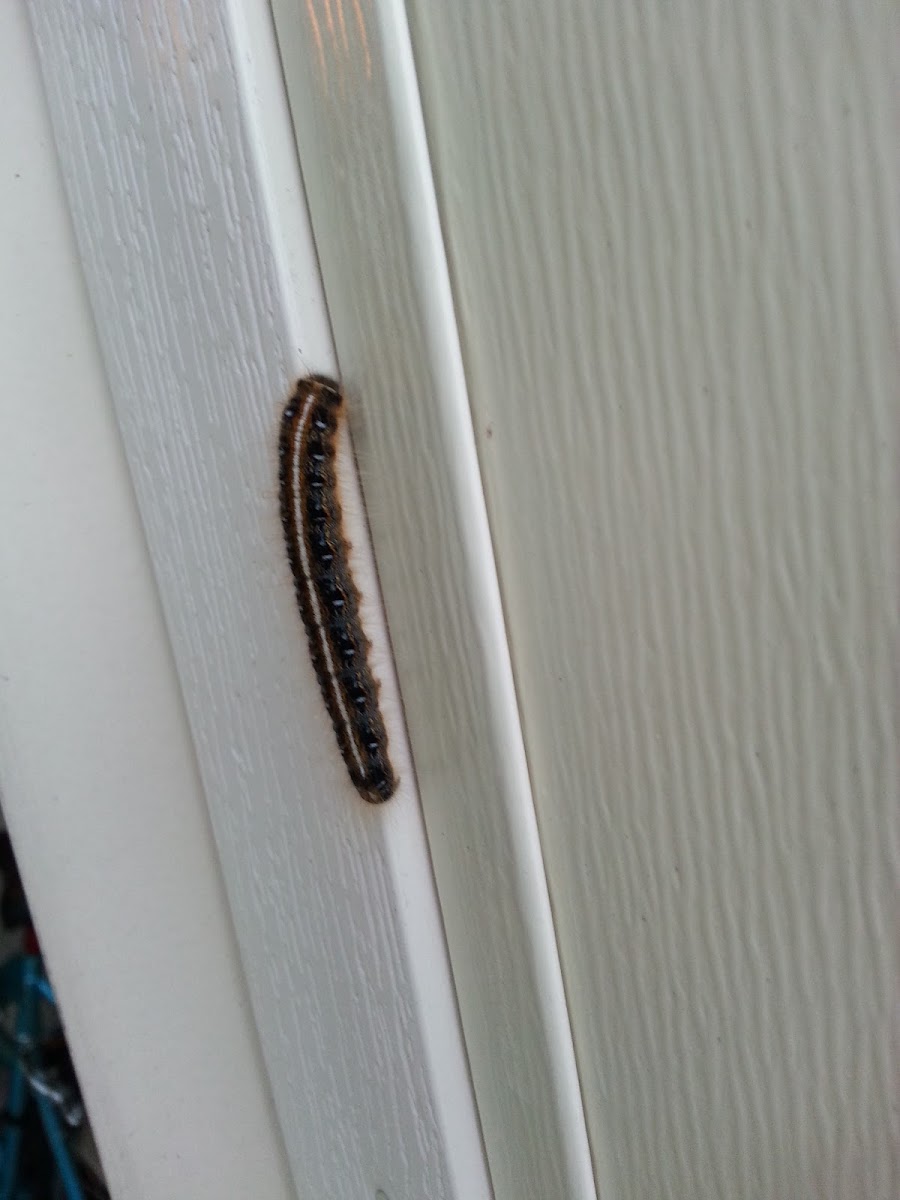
[318, 554]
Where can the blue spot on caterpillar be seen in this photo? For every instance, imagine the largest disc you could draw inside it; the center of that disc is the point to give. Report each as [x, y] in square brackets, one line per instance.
[318, 554]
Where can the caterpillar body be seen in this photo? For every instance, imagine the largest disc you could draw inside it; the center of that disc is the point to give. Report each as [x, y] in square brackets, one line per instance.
[318, 554]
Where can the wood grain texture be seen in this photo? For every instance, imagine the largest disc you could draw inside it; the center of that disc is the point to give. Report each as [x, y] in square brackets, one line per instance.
[98, 777]
[357, 119]
[181, 173]
[673, 236]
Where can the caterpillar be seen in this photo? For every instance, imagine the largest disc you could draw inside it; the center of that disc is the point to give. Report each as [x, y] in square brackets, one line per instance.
[319, 557]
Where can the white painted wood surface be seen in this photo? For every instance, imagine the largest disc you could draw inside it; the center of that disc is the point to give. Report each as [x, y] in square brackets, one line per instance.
[358, 123]
[674, 243]
[181, 174]
[98, 779]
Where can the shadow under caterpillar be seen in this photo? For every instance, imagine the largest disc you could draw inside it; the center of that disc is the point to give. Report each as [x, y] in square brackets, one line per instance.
[318, 554]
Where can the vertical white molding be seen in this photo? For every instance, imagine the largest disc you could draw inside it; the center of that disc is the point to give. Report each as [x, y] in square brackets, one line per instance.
[358, 122]
[181, 174]
[98, 779]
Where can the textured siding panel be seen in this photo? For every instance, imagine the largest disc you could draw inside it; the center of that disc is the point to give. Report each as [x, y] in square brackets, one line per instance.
[673, 236]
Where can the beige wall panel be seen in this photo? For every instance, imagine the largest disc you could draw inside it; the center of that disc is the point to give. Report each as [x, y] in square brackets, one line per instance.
[672, 231]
